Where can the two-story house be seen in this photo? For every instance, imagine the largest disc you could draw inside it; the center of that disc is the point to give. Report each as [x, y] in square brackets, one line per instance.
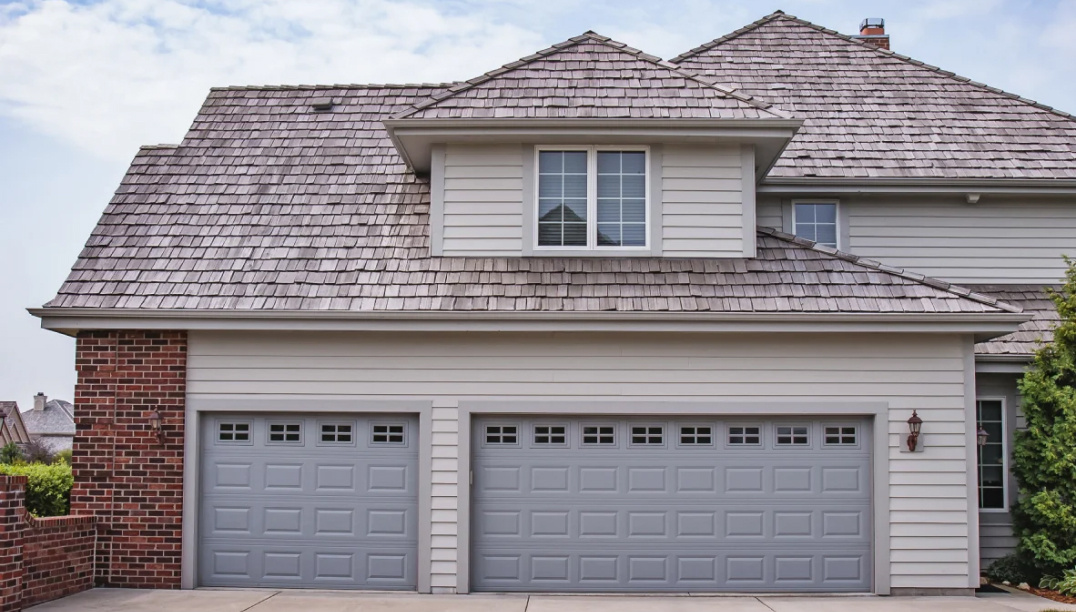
[592, 321]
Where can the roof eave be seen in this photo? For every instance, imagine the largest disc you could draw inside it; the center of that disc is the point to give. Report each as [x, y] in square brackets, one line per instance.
[982, 325]
[1001, 186]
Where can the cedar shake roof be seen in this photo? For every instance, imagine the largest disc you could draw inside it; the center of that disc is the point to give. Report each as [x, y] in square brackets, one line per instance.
[872, 113]
[12, 419]
[267, 205]
[1030, 336]
[56, 418]
[589, 76]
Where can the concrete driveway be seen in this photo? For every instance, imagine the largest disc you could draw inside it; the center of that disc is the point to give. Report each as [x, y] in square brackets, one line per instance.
[231, 600]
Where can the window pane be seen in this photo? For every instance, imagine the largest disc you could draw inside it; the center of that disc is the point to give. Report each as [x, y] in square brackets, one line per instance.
[634, 234]
[633, 162]
[608, 186]
[826, 234]
[549, 210]
[550, 185]
[608, 234]
[825, 213]
[575, 162]
[991, 454]
[634, 186]
[993, 498]
[575, 186]
[608, 211]
[991, 476]
[994, 432]
[575, 234]
[804, 213]
[575, 210]
[549, 234]
[634, 211]
[989, 411]
[806, 231]
[609, 162]
[550, 161]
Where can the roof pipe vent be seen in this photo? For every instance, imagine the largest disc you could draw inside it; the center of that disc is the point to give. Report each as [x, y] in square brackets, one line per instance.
[322, 105]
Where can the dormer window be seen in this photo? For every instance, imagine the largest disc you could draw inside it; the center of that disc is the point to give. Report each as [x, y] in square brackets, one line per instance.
[592, 198]
[816, 220]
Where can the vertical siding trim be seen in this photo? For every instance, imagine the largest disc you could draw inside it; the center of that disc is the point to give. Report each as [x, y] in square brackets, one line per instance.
[463, 518]
[425, 500]
[883, 566]
[655, 186]
[971, 444]
[188, 565]
[747, 162]
[437, 200]
[530, 200]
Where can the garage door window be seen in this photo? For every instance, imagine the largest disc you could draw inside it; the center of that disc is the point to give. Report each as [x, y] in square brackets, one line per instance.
[502, 434]
[745, 435]
[793, 435]
[599, 435]
[648, 435]
[839, 435]
[337, 434]
[389, 433]
[550, 435]
[696, 435]
[285, 433]
[233, 432]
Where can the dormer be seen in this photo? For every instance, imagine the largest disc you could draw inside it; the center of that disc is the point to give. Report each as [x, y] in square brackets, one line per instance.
[591, 148]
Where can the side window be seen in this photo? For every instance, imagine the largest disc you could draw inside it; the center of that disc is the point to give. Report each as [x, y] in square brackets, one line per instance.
[336, 433]
[647, 435]
[990, 417]
[233, 432]
[388, 433]
[285, 433]
[745, 435]
[840, 435]
[816, 221]
[696, 435]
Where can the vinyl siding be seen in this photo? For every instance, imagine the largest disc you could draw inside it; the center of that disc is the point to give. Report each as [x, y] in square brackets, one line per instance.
[928, 490]
[702, 202]
[990, 242]
[770, 212]
[483, 200]
[996, 537]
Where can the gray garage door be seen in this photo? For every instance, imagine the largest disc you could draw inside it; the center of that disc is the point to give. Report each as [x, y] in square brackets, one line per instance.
[619, 504]
[321, 501]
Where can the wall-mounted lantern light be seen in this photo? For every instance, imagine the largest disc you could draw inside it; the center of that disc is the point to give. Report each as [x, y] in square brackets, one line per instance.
[915, 424]
[156, 424]
[983, 435]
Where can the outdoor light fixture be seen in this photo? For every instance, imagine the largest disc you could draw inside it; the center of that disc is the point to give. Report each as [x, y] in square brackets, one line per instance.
[914, 425]
[983, 435]
[155, 424]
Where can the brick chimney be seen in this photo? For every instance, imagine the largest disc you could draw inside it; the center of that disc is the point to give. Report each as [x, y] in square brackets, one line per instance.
[39, 401]
[872, 31]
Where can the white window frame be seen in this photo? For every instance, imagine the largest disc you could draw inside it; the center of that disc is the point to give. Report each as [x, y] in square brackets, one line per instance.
[1004, 456]
[836, 217]
[592, 199]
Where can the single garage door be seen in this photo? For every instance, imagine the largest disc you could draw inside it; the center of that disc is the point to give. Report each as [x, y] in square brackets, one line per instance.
[319, 501]
[617, 504]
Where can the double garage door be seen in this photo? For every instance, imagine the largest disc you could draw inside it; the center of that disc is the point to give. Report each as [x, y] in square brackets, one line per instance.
[558, 503]
[318, 501]
[607, 504]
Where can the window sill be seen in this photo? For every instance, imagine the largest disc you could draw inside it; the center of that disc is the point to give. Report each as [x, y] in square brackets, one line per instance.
[610, 252]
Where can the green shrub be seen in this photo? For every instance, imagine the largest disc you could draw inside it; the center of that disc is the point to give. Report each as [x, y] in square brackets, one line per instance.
[1014, 569]
[11, 453]
[64, 455]
[48, 487]
[1065, 584]
[1044, 457]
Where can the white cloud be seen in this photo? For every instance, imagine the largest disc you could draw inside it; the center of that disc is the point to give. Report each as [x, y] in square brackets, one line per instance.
[115, 74]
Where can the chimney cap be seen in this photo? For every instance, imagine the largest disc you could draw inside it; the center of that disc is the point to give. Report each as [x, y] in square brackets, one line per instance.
[872, 22]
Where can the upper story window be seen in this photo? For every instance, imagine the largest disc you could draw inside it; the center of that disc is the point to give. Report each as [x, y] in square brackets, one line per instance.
[815, 221]
[592, 197]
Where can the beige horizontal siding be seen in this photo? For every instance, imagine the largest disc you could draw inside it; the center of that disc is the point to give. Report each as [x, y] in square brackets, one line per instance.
[483, 200]
[928, 490]
[702, 202]
[995, 241]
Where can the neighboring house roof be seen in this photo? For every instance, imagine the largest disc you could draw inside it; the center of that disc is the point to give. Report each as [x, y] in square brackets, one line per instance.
[268, 206]
[589, 76]
[16, 428]
[870, 113]
[1030, 336]
[57, 418]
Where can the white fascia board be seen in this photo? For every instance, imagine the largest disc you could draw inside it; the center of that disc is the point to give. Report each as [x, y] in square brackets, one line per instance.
[982, 325]
[832, 186]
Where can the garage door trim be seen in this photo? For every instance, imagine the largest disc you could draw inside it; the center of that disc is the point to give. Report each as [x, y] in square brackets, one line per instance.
[198, 409]
[877, 412]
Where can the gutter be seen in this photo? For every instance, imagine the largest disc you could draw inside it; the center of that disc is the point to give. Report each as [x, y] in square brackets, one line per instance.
[819, 185]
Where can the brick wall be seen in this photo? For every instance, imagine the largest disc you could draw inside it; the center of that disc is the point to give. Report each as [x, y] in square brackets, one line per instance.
[125, 476]
[40, 559]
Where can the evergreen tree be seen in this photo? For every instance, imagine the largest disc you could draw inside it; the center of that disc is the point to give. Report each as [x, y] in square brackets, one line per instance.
[1044, 456]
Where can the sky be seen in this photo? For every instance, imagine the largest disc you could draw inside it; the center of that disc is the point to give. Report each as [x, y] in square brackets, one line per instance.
[84, 83]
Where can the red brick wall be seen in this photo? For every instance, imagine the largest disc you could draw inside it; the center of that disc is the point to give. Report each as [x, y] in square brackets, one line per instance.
[40, 559]
[57, 557]
[124, 476]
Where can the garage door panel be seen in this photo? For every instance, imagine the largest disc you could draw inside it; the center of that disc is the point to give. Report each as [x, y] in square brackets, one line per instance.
[670, 516]
[307, 514]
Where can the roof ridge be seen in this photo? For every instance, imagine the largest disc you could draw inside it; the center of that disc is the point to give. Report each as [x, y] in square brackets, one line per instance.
[957, 290]
[313, 87]
[876, 49]
[589, 36]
